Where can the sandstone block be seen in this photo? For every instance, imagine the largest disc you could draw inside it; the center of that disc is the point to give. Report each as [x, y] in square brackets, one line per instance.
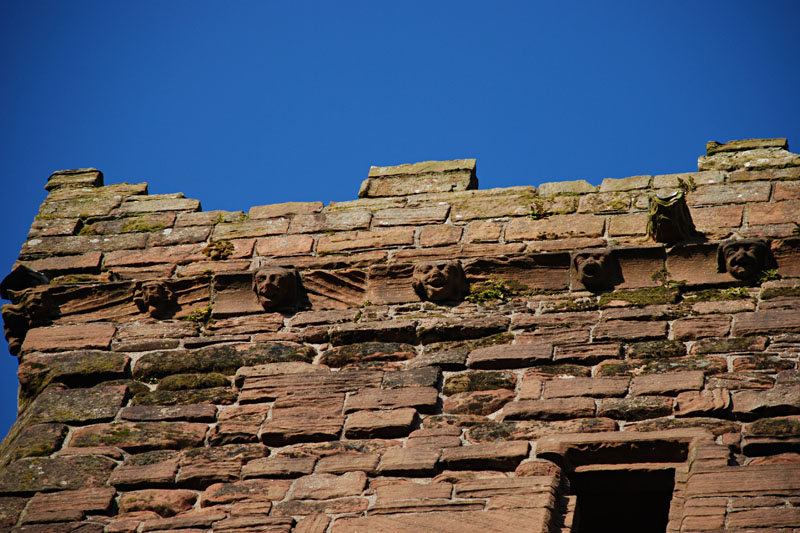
[705, 402]
[284, 245]
[734, 193]
[702, 326]
[78, 406]
[552, 409]
[279, 467]
[566, 187]
[164, 502]
[409, 461]
[250, 228]
[285, 209]
[403, 331]
[490, 456]
[784, 212]
[423, 399]
[328, 486]
[630, 330]
[713, 147]
[62, 338]
[74, 178]
[46, 507]
[173, 237]
[58, 265]
[452, 521]
[712, 219]
[781, 400]
[339, 289]
[411, 216]
[142, 436]
[425, 177]
[577, 386]
[158, 202]
[358, 240]
[348, 220]
[477, 402]
[771, 322]
[441, 235]
[55, 474]
[628, 224]
[509, 356]
[554, 227]
[380, 424]
[225, 359]
[179, 255]
[586, 353]
[638, 408]
[625, 184]
[256, 490]
[342, 463]
[667, 384]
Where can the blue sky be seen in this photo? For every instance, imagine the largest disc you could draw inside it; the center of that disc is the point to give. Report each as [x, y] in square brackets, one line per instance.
[255, 102]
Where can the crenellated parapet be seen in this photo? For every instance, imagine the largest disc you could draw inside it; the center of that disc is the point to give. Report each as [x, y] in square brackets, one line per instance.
[429, 355]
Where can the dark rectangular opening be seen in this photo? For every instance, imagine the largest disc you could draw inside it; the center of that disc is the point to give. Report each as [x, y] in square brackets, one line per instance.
[623, 500]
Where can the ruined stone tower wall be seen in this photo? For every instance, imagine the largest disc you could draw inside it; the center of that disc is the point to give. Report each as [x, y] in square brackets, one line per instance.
[429, 355]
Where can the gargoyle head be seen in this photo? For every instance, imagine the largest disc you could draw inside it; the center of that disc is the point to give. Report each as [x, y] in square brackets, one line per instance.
[743, 259]
[276, 287]
[153, 297]
[439, 281]
[596, 269]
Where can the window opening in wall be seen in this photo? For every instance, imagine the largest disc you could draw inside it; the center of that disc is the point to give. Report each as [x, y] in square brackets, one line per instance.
[622, 500]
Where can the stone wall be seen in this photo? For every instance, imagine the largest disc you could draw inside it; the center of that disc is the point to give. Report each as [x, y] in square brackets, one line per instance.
[429, 356]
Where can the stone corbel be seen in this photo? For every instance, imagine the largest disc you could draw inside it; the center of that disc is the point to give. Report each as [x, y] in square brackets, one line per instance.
[670, 221]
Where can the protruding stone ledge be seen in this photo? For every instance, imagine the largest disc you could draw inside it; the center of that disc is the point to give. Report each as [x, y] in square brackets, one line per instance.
[713, 147]
[73, 178]
[417, 178]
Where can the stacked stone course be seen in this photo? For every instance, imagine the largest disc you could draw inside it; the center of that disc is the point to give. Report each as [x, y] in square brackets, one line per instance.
[161, 390]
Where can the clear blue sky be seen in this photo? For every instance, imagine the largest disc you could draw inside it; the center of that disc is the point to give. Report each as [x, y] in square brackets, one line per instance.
[254, 102]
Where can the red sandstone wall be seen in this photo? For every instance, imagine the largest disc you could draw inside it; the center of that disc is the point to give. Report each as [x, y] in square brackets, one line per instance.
[366, 409]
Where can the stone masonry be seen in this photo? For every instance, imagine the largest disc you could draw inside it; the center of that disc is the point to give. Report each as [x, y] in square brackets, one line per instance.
[301, 368]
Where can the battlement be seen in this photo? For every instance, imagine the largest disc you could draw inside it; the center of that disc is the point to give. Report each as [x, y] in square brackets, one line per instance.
[428, 353]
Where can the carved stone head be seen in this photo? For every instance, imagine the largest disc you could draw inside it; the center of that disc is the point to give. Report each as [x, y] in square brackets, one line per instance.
[439, 281]
[595, 269]
[276, 287]
[15, 325]
[743, 259]
[154, 298]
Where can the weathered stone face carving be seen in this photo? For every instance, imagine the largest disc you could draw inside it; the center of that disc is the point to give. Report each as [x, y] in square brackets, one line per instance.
[670, 220]
[33, 309]
[743, 259]
[15, 326]
[276, 287]
[154, 298]
[595, 269]
[439, 281]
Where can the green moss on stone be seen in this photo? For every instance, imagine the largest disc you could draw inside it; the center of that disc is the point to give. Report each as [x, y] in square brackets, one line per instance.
[218, 250]
[777, 292]
[193, 381]
[775, 427]
[642, 297]
[708, 295]
[479, 381]
[659, 349]
[217, 396]
[201, 315]
[141, 226]
[495, 289]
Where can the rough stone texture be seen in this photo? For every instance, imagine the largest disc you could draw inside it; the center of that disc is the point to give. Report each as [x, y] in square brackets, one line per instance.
[426, 177]
[364, 408]
[59, 338]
